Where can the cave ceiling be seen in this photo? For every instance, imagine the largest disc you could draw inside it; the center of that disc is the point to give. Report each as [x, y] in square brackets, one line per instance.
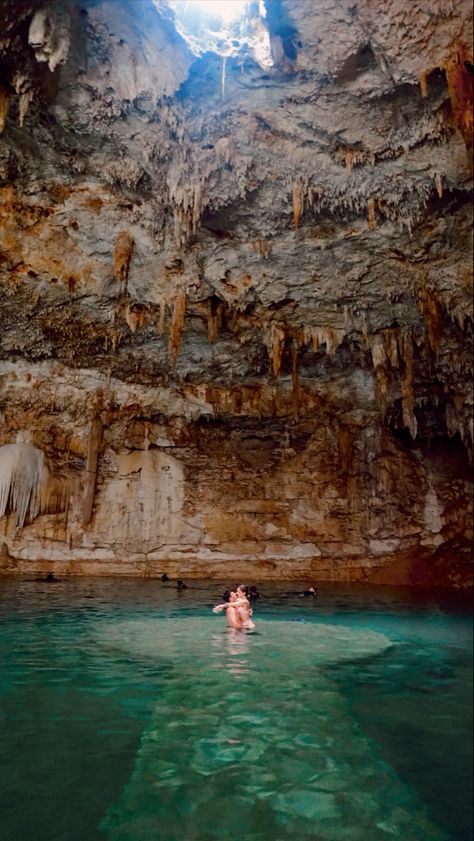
[261, 223]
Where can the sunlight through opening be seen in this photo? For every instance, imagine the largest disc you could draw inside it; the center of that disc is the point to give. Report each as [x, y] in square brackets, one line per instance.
[225, 10]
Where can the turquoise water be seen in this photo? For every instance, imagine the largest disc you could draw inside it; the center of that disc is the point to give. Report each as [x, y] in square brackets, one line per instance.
[128, 712]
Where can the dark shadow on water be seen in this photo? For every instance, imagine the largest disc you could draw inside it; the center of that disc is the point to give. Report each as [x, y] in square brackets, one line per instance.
[416, 705]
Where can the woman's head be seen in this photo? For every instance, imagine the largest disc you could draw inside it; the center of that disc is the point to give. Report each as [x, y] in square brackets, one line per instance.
[243, 589]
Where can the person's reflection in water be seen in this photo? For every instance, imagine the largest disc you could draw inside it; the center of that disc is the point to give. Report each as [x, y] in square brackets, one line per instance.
[237, 647]
[230, 650]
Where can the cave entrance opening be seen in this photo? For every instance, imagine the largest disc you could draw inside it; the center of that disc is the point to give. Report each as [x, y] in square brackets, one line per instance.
[228, 28]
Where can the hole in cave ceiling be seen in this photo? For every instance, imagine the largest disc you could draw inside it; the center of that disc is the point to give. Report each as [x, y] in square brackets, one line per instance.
[217, 11]
[224, 27]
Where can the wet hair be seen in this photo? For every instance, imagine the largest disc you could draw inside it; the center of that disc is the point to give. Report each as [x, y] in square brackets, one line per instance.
[226, 596]
[164, 577]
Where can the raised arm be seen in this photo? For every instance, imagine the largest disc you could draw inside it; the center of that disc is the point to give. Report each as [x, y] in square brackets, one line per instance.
[238, 603]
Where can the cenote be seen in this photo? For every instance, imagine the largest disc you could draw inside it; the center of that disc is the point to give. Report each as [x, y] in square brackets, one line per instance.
[129, 712]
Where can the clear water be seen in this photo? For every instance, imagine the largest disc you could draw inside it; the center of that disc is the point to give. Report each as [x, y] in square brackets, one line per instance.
[128, 712]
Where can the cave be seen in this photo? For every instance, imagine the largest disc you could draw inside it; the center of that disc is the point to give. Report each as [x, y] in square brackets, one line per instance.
[236, 277]
[236, 346]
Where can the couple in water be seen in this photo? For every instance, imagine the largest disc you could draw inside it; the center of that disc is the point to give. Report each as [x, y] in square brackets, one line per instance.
[238, 609]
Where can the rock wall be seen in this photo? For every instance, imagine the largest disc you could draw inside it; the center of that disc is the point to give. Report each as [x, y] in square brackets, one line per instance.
[324, 493]
[236, 313]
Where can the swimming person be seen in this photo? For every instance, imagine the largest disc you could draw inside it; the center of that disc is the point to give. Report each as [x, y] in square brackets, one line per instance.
[244, 608]
[233, 618]
[311, 591]
[238, 609]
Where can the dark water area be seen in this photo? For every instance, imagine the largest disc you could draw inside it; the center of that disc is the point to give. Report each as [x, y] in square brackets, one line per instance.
[128, 712]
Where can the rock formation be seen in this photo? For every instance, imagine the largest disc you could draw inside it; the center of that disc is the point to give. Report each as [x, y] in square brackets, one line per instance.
[236, 280]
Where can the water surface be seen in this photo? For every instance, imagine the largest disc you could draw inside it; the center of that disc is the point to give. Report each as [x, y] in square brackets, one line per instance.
[129, 712]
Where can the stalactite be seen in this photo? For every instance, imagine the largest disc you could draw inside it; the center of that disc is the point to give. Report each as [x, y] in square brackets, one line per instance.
[5, 557]
[55, 495]
[187, 205]
[49, 34]
[408, 400]
[389, 338]
[348, 159]
[72, 284]
[146, 437]
[25, 101]
[345, 435]
[95, 438]
[433, 320]
[451, 419]
[382, 385]
[295, 385]
[27, 486]
[214, 317]
[225, 150]
[439, 185]
[379, 361]
[22, 473]
[365, 331]
[332, 337]
[460, 88]
[262, 247]
[135, 316]
[122, 254]
[297, 203]
[371, 214]
[352, 157]
[115, 338]
[377, 348]
[4, 105]
[424, 83]
[275, 343]
[24, 88]
[457, 423]
[161, 322]
[177, 324]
